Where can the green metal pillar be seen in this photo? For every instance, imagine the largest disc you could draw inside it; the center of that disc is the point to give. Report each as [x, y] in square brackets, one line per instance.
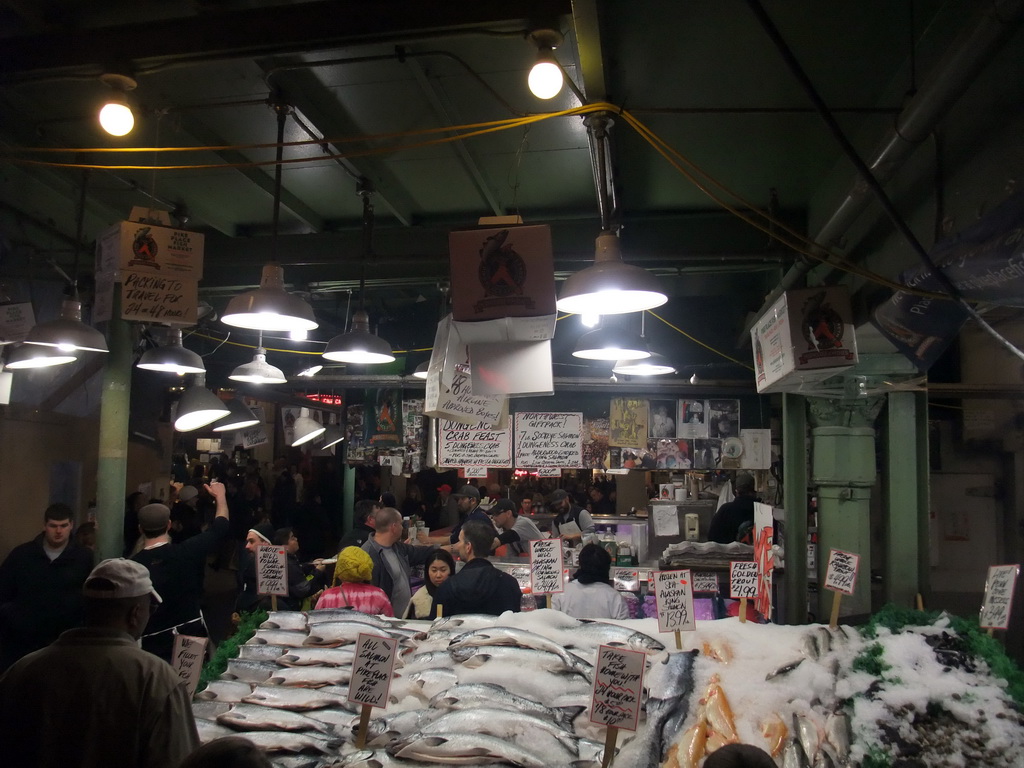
[112, 468]
[794, 484]
[923, 495]
[901, 500]
[348, 497]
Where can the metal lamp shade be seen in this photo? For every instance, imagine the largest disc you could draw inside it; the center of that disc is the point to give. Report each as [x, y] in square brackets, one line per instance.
[68, 332]
[421, 370]
[611, 344]
[197, 408]
[259, 371]
[306, 429]
[270, 307]
[239, 416]
[172, 358]
[655, 365]
[29, 356]
[332, 436]
[359, 345]
[610, 286]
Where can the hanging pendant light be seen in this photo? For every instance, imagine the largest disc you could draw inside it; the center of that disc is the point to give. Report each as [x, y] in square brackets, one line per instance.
[198, 407]
[609, 286]
[611, 344]
[333, 435]
[545, 79]
[259, 371]
[421, 370]
[172, 357]
[68, 333]
[239, 416]
[310, 370]
[655, 365]
[28, 356]
[270, 307]
[306, 428]
[360, 345]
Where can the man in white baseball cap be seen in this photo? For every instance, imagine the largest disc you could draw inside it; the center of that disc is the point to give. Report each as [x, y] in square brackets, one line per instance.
[124, 706]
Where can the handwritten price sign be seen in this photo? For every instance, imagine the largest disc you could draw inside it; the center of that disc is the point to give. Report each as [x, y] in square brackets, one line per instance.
[372, 668]
[743, 579]
[546, 566]
[673, 592]
[618, 683]
[271, 571]
[187, 659]
[999, 586]
[841, 575]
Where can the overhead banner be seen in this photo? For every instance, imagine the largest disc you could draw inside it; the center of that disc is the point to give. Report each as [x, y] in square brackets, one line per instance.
[985, 262]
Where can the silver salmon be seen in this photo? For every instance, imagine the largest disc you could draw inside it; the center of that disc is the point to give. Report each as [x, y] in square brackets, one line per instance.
[257, 718]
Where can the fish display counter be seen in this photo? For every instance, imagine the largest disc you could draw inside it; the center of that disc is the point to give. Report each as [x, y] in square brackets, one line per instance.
[909, 689]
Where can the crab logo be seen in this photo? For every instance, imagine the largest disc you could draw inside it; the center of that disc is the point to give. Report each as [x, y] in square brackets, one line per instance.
[144, 249]
[502, 271]
[822, 326]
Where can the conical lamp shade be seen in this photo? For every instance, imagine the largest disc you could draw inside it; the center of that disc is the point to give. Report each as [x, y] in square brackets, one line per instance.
[198, 407]
[259, 371]
[29, 356]
[421, 371]
[611, 344]
[68, 332]
[359, 345]
[239, 416]
[172, 357]
[610, 286]
[332, 436]
[655, 365]
[306, 428]
[270, 307]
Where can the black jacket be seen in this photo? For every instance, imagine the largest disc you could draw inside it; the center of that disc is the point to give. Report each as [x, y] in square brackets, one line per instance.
[356, 537]
[39, 598]
[729, 517]
[478, 588]
[299, 587]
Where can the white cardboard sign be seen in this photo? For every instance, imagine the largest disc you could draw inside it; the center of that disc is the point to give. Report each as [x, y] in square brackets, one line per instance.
[743, 579]
[271, 570]
[372, 669]
[705, 581]
[546, 566]
[673, 591]
[841, 575]
[618, 684]
[187, 659]
[999, 586]
[549, 439]
[460, 445]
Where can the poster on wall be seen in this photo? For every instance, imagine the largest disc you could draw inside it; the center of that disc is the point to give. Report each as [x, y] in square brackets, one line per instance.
[707, 453]
[723, 418]
[672, 454]
[630, 458]
[628, 427]
[383, 412]
[595, 442]
[691, 419]
[662, 418]
[545, 439]
[413, 434]
[460, 445]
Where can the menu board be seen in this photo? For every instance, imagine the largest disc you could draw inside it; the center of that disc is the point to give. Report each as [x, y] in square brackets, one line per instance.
[546, 566]
[841, 575]
[549, 439]
[460, 445]
[271, 570]
[995, 610]
[618, 684]
[372, 669]
[673, 591]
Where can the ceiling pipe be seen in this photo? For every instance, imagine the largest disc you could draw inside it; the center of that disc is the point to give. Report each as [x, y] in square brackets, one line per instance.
[959, 68]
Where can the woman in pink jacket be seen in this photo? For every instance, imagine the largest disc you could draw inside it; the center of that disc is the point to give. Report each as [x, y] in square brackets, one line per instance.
[351, 588]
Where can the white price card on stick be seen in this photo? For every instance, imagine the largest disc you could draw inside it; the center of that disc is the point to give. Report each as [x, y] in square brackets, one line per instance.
[673, 592]
[372, 669]
[546, 566]
[618, 684]
[271, 570]
[187, 659]
[841, 575]
[705, 581]
[999, 586]
[743, 579]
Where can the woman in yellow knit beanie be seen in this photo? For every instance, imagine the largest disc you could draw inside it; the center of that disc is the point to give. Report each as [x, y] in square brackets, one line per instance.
[351, 589]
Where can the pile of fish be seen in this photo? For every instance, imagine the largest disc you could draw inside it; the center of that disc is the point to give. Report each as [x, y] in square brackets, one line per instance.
[516, 690]
[466, 690]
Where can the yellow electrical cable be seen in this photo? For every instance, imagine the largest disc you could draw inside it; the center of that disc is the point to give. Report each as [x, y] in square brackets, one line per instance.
[698, 341]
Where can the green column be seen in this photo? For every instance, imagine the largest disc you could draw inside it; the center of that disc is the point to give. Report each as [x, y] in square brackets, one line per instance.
[901, 500]
[348, 497]
[923, 494]
[112, 470]
[794, 484]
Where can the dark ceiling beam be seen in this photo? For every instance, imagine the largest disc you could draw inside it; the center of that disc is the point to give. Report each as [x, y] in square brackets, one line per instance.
[443, 110]
[86, 370]
[279, 29]
[305, 92]
[588, 41]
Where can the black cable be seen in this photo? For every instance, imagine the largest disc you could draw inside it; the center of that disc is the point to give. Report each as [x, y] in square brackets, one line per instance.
[869, 178]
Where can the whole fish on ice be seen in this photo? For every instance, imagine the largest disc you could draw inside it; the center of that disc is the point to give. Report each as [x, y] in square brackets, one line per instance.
[298, 699]
[230, 691]
[257, 718]
[495, 696]
[670, 685]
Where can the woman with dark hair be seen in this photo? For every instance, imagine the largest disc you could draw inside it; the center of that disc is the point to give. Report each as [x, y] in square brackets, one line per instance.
[439, 567]
[590, 594]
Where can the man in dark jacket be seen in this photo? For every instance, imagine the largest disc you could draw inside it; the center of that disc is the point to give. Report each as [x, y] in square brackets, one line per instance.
[469, 509]
[363, 514]
[479, 587]
[393, 559]
[41, 587]
[178, 572]
[730, 516]
[560, 502]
